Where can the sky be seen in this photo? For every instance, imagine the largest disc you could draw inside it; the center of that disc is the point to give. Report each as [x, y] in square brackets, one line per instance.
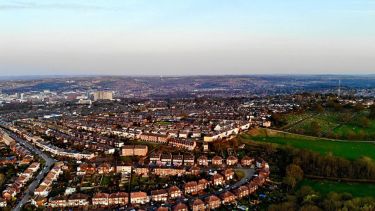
[186, 37]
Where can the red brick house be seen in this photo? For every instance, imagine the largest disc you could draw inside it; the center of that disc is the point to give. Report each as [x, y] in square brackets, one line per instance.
[105, 168]
[181, 207]
[100, 199]
[198, 205]
[119, 198]
[195, 170]
[159, 195]
[229, 174]
[213, 202]
[241, 192]
[138, 197]
[246, 161]
[78, 200]
[202, 161]
[58, 201]
[231, 161]
[218, 179]
[228, 197]
[174, 192]
[202, 184]
[190, 187]
[217, 161]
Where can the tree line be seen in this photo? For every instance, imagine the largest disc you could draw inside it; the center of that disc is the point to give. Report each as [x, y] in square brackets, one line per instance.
[295, 164]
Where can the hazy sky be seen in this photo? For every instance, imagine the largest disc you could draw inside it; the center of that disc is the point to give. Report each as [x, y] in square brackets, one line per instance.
[181, 37]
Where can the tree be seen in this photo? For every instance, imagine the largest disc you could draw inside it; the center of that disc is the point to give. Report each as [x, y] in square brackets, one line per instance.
[295, 171]
[346, 196]
[345, 117]
[277, 119]
[310, 207]
[350, 135]
[364, 121]
[319, 108]
[304, 191]
[291, 182]
[337, 106]
[285, 206]
[2, 179]
[372, 112]
[269, 148]
[315, 128]
[359, 107]
[332, 201]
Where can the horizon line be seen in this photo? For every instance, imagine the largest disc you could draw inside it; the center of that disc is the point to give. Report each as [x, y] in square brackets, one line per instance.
[187, 75]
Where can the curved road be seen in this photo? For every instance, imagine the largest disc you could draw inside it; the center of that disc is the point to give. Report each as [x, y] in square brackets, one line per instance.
[49, 163]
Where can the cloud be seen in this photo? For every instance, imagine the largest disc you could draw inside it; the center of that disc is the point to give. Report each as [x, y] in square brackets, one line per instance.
[17, 5]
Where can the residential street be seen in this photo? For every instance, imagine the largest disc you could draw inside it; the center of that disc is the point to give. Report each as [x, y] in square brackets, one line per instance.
[49, 163]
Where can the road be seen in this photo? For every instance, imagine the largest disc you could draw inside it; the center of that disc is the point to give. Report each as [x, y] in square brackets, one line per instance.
[34, 184]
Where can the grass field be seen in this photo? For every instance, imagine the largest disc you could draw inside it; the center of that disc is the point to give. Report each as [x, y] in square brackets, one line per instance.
[294, 117]
[344, 130]
[332, 124]
[327, 121]
[356, 189]
[349, 150]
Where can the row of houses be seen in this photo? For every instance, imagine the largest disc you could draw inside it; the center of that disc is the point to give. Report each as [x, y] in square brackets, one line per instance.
[63, 153]
[158, 161]
[162, 159]
[160, 133]
[99, 199]
[103, 168]
[13, 189]
[38, 141]
[183, 138]
[21, 152]
[163, 195]
[134, 150]
[88, 140]
[106, 168]
[45, 186]
[225, 131]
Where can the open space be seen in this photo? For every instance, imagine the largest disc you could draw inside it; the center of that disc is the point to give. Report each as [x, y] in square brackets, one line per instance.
[350, 150]
[340, 125]
[356, 189]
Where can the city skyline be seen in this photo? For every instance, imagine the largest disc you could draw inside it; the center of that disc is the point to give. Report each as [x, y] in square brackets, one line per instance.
[186, 37]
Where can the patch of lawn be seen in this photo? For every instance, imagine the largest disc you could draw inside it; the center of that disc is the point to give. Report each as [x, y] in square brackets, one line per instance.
[164, 123]
[105, 180]
[356, 189]
[349, 150]
[240, 174]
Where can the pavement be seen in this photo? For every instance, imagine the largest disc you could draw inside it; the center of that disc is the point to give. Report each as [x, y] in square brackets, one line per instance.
[34, 184]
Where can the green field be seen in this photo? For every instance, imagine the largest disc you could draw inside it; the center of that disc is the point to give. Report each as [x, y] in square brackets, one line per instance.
[356, 189]
[350, 150]
[326, 120]
[338, 125]
[344, 130]
[295, 117]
